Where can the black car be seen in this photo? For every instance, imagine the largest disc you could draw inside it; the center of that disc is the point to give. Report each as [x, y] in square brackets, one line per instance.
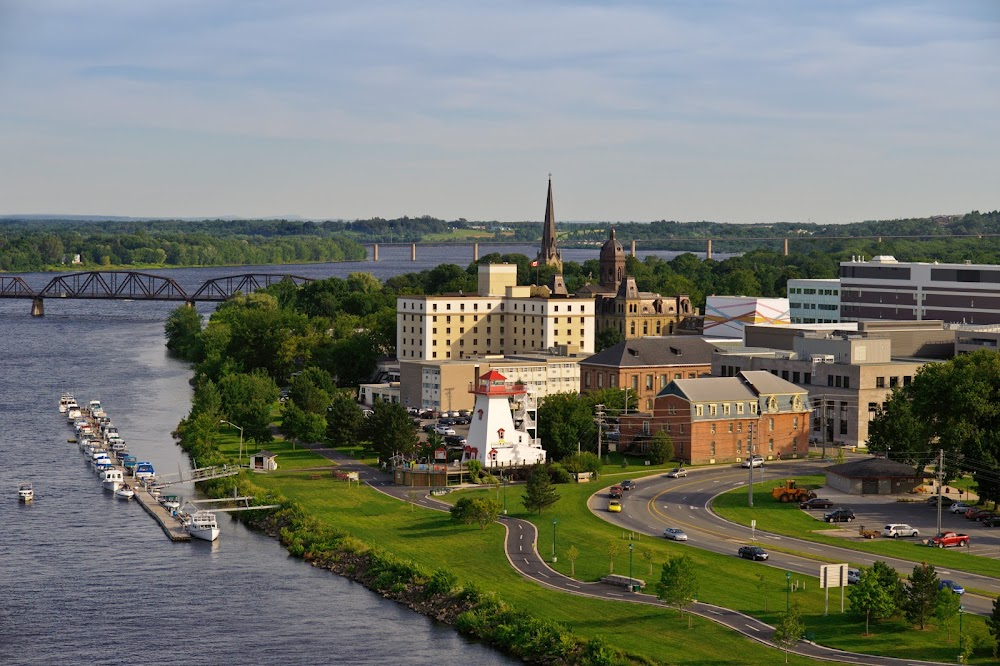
[752, 553]
[462, 420]
[992, 521]
[816, 503]
[839, 516]
[628, 484]
[454, 440]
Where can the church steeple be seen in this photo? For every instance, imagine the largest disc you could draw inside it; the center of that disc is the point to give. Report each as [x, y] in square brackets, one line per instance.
[549, 254]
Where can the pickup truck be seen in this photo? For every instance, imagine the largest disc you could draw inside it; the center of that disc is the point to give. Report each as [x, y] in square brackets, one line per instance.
[946, 539]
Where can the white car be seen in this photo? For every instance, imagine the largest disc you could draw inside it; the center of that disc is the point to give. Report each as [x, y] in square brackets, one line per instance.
[444, 430]
[756, 461]
[896, 530]
[959, 507]
[675, 534]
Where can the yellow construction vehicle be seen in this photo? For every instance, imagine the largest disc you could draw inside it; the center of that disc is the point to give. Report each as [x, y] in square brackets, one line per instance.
[789, 493]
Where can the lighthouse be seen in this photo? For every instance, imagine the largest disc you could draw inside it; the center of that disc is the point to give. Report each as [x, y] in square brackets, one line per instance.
[492, 439]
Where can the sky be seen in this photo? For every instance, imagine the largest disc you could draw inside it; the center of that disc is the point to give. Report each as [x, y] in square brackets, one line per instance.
[730, 111]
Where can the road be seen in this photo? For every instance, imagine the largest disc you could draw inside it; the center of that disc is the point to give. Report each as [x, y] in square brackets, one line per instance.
[522, 553]
[660, 502]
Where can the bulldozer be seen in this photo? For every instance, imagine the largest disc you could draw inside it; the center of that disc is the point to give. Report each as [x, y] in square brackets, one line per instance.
[789, 493]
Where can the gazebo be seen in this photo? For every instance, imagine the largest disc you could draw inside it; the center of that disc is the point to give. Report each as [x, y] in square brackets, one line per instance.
[873, 476]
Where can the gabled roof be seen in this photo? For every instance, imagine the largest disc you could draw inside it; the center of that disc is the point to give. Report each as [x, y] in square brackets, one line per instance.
[874, 468]
[747, 385]
[767, 384]
[265, 453]
[656, 351]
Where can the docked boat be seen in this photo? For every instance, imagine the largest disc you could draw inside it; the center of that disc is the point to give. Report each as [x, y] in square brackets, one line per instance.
[112, 479]
[117, 445]
[64, 402]
[25, 493]
[95, 409]
[169, 502]
[143, 470]
[129, 462]
[125, 492]
[201, 525]
[73, 411]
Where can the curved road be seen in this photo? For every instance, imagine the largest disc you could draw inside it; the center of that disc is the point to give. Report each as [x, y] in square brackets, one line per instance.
[660, 502]
[522, 553]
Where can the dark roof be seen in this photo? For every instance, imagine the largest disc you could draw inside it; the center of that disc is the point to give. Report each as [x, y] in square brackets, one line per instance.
[874, 468]
[265, 453]
[655, 351]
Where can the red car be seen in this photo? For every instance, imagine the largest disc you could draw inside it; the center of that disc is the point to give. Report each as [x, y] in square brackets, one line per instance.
[615, 492]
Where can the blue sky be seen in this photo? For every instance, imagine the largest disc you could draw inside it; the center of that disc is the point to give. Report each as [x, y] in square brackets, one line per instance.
[702, 110]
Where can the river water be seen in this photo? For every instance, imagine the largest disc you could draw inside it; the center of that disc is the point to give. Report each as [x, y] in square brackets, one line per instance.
[88, 579]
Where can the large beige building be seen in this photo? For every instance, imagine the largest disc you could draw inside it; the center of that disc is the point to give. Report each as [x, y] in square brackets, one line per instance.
[501, 319]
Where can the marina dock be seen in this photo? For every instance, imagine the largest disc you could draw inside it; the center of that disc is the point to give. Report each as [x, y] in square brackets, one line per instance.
[168, 522]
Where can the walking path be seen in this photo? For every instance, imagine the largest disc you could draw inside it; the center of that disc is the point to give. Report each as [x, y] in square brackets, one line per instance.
[522, 553]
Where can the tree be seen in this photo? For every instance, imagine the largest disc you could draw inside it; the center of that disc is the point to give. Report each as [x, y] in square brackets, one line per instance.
[390, 430]
[572, 554]
[613, 549]
[678, 582]
[583, 462]
[661, 448]
[183, 331]
[647, 554]
[474, 468]
[607, 337]
[298, 424]
[947, 608]
[870, 598]
[565, 420]
[921, 594]
[539, 493]
[888, 579]
[246, 400]
[789, 630]
[485, 511]
[993, 624]
[344, 420]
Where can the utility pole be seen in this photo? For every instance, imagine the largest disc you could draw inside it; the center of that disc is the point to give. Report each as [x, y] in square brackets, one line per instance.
[940, 480]
[822, 422]
[599, 419]
[750, 455]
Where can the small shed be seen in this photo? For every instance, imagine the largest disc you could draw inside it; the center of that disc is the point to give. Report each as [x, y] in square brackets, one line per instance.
[873, 476]
[264, 461]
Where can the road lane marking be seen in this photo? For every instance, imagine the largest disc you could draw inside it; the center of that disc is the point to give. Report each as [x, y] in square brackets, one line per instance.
[572, 585]
[752, 628]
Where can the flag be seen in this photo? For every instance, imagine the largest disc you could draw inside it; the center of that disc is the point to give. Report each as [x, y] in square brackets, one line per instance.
[534, 264]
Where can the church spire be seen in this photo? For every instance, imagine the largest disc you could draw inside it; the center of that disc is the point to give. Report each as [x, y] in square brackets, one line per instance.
[549, 254]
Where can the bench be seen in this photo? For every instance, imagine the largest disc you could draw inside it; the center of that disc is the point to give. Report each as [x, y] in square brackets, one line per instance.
[624, 581]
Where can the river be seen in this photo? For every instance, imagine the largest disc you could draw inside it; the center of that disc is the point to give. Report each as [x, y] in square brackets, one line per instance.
[89, 579]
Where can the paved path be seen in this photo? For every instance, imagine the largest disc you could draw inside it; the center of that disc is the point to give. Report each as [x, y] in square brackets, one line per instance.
[520, 546]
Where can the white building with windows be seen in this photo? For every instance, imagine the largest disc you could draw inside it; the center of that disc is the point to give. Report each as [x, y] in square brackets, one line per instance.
[814, 301]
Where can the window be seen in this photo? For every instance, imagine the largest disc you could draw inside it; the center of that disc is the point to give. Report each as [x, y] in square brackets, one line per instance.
[713, 410]
[829, 380]
[837, 381]
[770, 425]
[635, 382]
[649, 382]
[808, 378]
[586, 379]
[677, 375]
[739, 426]
[699, 410]
[880, 382]
[649, 404]
[770, 445]
[645, 427]
[663, 381]
[739, 408]
[795, 377]
[613, 381]
[795, 422]
[893, 382]
[680, 429]
[711, 448]
[600, 380]
[730, 426]
[711, 429]
[725, 409]
[739, 447]
[847, 382]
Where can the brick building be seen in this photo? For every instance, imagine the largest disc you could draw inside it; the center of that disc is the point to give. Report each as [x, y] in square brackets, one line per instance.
[726, 419]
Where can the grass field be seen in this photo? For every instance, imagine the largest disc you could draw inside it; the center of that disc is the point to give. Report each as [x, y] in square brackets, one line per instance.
[789, 520]
[432, 540]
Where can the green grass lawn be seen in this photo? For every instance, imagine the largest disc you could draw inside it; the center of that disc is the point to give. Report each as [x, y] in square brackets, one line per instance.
[789, 520]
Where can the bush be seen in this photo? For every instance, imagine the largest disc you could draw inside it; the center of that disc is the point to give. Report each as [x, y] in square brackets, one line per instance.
[442, 582]
[559, 474]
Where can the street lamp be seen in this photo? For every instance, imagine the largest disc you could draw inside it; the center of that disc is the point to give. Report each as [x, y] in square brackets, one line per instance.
[961, 611]
[504, 478]
[788, 591]
[554, 540]
[241, 438]
[631, 587]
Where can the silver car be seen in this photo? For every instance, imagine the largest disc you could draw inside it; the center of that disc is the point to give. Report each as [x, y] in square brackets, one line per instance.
[676, 473]
[675, 534]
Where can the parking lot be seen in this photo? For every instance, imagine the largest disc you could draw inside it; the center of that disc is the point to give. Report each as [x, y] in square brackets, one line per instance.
[876, 511]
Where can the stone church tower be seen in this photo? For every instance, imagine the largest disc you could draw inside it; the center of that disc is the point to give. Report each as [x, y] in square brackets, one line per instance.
[549, 254]
[612, 263]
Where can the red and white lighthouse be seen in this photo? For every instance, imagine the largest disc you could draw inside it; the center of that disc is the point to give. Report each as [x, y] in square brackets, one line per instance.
[493, 439]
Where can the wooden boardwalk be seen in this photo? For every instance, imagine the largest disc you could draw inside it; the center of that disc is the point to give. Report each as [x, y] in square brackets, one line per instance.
[170, 524]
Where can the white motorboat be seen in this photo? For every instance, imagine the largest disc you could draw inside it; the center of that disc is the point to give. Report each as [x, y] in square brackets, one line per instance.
[25, 493]
[64, 402]
[112, 479]
[95, 409]
[143, 470]
[125, 492]
[202, 525]
[73, 411]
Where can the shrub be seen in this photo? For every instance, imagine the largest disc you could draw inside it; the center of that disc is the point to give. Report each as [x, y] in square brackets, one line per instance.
[559, 474]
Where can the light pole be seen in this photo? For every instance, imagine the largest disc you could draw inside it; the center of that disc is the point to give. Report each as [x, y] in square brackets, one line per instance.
[788, 591]
[631, 587]
[961, 611]
[504, 478]
[241, 438]
[554, 539]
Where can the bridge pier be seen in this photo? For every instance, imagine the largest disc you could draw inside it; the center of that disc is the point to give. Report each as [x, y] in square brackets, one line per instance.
[37, 307]
[633, 249]
[413, 252]
[374, 251]
[189, 304]
[475, 252]
[708, 250]
[786, 247]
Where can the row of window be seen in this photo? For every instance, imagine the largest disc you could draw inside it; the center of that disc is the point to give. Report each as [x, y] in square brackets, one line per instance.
[814, 306]
[664, 379]
[813, 291]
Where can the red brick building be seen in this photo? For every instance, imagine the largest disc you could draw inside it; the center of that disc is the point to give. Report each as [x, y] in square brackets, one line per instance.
[726, 419]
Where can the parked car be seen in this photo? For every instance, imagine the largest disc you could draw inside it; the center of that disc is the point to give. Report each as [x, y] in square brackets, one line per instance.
[959, 507]
[755, 461]
[455, 440]
[614, 506]
[429, 427]
[615, 492]
[992, 521]
[462, 420]
[853, 576]
[675, 534]
[676, 473]
[839, 516]
[948, 539]
[752, 553]
[896, 530]
[628, 484]
[980, 515]
[613, 435]
[817, 503]
[948, 584]
[446, 421]
[444, 430]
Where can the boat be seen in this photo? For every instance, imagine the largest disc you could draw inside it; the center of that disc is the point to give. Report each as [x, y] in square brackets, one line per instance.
[73, 412]
[25, 493]
[117, 445]
[125, 492]
[143, 470]
[64, 402]
[169, 502]
[201, 525]
[129, 462]
[95, 409]
[112, 479]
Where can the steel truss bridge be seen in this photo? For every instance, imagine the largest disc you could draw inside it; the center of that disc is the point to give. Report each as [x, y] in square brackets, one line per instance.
[137, 286]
